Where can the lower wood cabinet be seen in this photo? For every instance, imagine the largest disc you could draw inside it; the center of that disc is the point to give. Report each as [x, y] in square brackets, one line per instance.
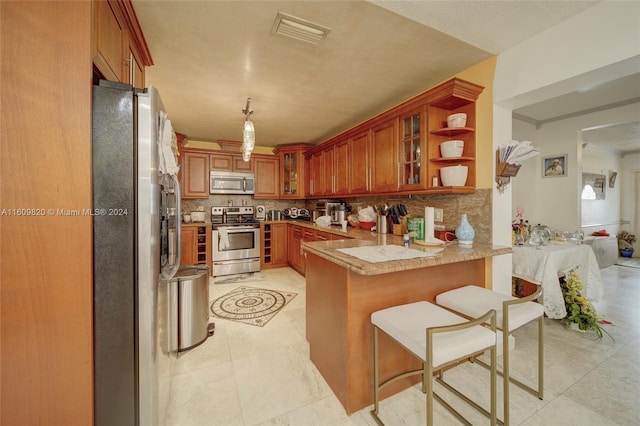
[294, 255]
[195, 245]
[274, 245]
[298, 234]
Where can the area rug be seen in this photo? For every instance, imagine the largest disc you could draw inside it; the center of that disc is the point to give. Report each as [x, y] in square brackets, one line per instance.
[250, 305]
[633, 262]
[239, 278]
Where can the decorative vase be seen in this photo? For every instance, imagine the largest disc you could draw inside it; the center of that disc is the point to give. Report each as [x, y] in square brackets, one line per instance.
[465, 232]
[626, 252]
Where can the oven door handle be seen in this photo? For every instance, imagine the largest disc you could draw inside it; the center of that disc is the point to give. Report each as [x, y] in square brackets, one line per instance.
[235, 229]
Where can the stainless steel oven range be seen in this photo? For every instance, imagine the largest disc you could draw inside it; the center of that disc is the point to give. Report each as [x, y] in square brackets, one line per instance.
[236, 240]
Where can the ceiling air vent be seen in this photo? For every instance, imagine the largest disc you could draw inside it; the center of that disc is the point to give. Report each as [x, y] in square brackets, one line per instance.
[299, 29]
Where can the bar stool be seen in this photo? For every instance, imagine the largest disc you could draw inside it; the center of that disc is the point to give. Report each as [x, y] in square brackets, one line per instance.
[438, 338]
[512, 313]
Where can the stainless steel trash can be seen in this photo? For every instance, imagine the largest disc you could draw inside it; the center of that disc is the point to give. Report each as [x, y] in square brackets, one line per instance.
[193, 305]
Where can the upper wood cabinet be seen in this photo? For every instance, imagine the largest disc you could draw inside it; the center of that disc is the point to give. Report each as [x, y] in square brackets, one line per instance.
[439, 132]
[119, 50]
[195, 174]
[384, 169]
[223, 161]
[108, 43]
[360, 162]
[292, 170]
[412, 149]
[267, 174]
[398, 151]
[341, 167]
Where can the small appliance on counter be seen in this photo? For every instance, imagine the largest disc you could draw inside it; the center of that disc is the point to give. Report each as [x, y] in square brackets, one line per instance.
[335, 208]
[296, 213]
[274, 215]
[261, 213]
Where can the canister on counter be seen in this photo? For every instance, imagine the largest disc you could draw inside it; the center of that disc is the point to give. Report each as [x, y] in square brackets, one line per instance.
[415, 227]
[405, 240]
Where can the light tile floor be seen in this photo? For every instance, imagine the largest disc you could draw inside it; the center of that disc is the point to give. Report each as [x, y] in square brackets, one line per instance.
[247, 375]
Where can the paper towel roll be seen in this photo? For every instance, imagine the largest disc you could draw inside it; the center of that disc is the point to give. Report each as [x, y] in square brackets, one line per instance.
[429, 215]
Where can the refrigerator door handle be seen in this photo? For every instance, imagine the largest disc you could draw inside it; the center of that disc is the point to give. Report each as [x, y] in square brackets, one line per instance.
[178, 233]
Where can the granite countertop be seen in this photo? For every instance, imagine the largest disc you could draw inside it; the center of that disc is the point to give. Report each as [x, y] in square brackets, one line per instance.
[451, 253]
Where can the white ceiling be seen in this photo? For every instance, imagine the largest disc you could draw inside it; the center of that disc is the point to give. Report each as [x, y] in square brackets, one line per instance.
[210, 56]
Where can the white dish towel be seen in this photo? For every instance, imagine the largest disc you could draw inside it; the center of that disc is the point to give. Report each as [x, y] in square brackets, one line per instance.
[223, 238]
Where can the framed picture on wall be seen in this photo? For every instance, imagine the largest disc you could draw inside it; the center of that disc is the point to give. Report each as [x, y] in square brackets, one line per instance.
[554, 166]
[612, 179]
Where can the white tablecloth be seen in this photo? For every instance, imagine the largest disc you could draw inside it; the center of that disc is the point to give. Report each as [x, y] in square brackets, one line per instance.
[542, 266]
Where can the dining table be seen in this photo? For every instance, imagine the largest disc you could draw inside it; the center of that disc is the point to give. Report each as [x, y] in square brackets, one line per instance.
[545, 264]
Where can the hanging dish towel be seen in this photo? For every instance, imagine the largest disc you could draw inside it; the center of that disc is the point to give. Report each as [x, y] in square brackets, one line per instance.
[223, 238]
[167, 146]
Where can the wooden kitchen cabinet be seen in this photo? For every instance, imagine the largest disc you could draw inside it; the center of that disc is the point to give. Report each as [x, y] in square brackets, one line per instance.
[294, 254]
[316, 182]
[229, 162]
[267, 173]
[195, 245]
[459, 96]
[274, 245]
[134, 70]
[411, 151]
[383, 169]
[119, 50]
[109, 36]
[341, 167]
[398, 151]
[292, 170]
[327, 175]
[187, 245]
[195, 174]
[360, 156]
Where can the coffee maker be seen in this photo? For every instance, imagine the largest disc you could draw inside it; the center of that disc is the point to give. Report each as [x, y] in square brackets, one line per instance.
[338, 214]
[335, 208]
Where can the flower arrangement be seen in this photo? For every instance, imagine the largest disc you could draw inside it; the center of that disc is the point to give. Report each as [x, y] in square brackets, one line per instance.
[580, 311]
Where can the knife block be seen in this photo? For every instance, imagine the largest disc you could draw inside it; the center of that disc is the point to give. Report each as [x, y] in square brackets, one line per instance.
[401, 228]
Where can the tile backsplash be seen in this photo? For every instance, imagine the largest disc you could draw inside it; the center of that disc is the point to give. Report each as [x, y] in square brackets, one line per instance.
[477, 206]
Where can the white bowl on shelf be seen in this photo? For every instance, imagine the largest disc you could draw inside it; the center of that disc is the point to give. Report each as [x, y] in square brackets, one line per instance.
[454, 175]
[457, 120]
[452, 149]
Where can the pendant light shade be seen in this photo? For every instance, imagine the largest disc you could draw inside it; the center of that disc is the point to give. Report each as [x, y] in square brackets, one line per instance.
[248, 133]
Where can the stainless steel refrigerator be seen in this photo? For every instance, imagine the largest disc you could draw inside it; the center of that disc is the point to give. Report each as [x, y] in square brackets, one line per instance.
[136, 212]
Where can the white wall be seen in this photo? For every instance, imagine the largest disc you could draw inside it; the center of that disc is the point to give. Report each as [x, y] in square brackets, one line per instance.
[602, 214]
[629, 195]
[597, 45]
[540, 195]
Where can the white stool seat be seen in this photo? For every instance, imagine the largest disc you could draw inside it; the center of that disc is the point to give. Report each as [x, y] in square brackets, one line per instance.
[438, 338]
[407, 324]
[511, 313]
[474, 301]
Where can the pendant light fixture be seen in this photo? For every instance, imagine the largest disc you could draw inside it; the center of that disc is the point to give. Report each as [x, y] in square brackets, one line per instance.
[248, 132]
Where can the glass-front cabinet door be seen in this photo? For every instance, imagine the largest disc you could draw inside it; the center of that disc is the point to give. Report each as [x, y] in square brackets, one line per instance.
[290, 174]
[411, 155]
[291, 170]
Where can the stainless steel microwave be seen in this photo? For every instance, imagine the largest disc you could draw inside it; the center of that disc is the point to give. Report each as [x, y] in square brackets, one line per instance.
[232, 183]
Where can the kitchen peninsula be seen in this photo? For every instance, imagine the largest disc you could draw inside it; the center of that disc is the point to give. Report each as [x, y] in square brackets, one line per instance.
[342, 292]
